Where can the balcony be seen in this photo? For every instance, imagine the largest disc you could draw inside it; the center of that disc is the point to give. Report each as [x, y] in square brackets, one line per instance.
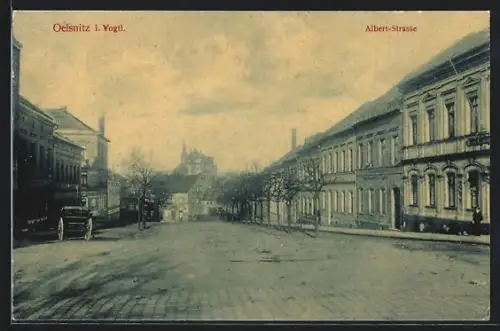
[464, 144]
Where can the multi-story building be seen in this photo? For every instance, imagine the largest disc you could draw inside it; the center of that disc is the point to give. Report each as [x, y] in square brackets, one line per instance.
[196, 163]
[446, 153]
[67, 160]
[33, 145]
[378, 170]
[94, 172]
[359, 162]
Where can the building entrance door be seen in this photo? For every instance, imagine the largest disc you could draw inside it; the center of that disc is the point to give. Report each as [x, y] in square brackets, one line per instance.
[396, 208]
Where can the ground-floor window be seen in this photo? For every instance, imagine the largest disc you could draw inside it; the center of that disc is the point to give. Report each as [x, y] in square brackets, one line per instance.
[414, 190]
[342, 202]
[350, 200]
[360, 200]
[370, 201]
[450, 190]
[431, 190]
[335, 201]
[382, 201]
[474, 188]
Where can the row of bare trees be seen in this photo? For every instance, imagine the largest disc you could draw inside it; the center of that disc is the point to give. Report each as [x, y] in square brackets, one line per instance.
[245, 194]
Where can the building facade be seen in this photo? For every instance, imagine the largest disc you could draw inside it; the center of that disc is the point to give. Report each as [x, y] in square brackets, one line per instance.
[446, 152]
[94, 171]
[379, 188]
[33, 145]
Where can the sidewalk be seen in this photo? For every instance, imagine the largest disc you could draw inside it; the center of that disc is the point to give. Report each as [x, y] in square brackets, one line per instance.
[481, 240]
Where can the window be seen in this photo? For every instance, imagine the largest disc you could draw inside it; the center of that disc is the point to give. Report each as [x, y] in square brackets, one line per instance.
[335, 202]
[474, 188]
[381, 152]
[370, 201]
[56, 171]
[431, 121]
[360, 156]
[339, 201]
[342, 202]
[394, 149]
[43, 160]
[431, 178]
[335, 162]
[350, 159]
[414, 190]
[413, 137]
[351, 202]
[451, 190]
[360, 200]
[474, 114]
[343, 161]
[382, 201]
[369, 153]
[450, 110]
[330, 162]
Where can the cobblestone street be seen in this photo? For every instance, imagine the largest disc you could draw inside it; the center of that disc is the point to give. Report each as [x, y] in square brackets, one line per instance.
[215, 270]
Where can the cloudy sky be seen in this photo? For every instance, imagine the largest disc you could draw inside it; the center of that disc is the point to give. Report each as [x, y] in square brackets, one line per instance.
[232, 84]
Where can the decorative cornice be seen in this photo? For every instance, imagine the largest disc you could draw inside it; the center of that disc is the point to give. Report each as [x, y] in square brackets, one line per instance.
[448, 91]
[470, 81]
[412, 104]
[428, 96]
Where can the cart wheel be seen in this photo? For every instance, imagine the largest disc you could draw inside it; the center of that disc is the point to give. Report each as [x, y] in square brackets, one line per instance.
[88, 229]
[60, 229]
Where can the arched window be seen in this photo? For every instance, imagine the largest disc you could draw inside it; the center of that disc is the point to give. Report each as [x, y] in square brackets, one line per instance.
[351, 202]
[474, 189]
[430, 190]
[414, 190]
[335, 204]
[342, 202]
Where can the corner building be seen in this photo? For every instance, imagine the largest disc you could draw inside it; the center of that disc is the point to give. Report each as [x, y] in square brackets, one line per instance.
[446, 154]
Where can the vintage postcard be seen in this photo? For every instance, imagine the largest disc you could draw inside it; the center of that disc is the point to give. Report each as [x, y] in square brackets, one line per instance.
[283, 166]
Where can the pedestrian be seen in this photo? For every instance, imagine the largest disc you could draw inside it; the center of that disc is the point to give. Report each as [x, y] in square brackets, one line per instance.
[477, 218]
[180, 215]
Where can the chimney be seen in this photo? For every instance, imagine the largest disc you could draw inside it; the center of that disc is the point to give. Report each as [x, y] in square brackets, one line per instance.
[101, 124]
[294, 139]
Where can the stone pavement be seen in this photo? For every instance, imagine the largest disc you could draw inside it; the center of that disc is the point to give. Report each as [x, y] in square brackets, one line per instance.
[216, 270]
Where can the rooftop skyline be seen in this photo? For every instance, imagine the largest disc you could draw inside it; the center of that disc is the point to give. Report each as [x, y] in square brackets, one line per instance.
[232, 84]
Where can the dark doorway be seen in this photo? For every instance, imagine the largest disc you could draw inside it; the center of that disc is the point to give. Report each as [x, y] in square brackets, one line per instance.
[396, 208]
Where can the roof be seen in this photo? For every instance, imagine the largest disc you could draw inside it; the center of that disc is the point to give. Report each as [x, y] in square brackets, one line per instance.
[179, 183]
[16, 43]
[390, 100]
[59, 136]
[66, 120]
[464, 45]
[24, 101]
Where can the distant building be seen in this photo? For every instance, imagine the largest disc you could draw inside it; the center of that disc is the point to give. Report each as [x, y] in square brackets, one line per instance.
[196, 163]
[94, 176]
[182, 197]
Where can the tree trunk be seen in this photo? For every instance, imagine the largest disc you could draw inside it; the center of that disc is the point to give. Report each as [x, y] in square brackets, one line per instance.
[261, 211]
[278, 212]
[289, 212]
[268, 211]
[317, 214]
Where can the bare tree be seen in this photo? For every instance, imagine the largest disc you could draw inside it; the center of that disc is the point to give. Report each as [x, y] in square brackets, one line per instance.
[291, 187]
[278, 192]
[314, 181]
[268, 193]
[139, 174]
